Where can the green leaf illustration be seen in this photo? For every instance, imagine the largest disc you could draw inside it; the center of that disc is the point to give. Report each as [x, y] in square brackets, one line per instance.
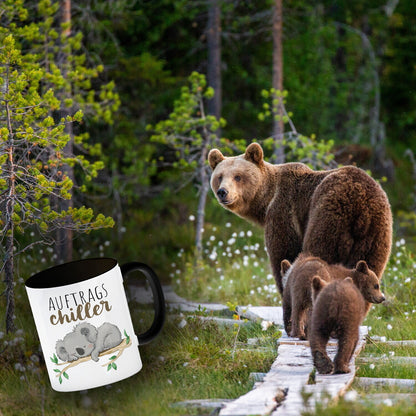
[56, 370]
[60, 379]
[109, 367]
[54, 359]
[114, 365]
[66, 375]
[113, 357]
[127, 337]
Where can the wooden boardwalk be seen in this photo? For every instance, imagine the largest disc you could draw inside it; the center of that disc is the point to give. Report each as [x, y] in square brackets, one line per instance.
[285, 390]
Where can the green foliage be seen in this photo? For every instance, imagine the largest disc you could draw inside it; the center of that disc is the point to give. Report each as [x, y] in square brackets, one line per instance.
[188, 130]
[32, 165]
[318, 154]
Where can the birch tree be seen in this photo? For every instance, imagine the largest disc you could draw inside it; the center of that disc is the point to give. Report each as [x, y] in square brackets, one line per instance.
[191, 133]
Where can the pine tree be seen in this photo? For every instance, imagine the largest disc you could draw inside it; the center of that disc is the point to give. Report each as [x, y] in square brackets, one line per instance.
[32, 162]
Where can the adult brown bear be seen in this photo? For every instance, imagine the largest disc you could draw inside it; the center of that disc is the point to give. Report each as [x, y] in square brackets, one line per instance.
[340, 215]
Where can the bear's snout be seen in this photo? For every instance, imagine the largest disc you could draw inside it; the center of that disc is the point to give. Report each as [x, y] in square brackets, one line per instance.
[378, 299]
[80, 351]
[222, 194]
[381, 298]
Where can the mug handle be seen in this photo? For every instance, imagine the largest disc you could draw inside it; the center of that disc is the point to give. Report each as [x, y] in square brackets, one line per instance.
[158, 299]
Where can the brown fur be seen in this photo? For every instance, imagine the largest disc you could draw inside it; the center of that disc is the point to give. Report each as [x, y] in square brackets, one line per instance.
[340, 215]
[338, 310]
[297, 291]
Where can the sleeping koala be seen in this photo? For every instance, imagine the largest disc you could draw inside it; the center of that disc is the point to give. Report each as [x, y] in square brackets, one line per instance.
[87, 340]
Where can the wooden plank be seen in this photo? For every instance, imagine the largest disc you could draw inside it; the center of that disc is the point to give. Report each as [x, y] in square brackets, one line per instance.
[368, 382]
[262, 313]
[286, 340]
[202, 404]
[327, 387]
[289, 374]
[142, 294]
[404, 343]
[388, 360]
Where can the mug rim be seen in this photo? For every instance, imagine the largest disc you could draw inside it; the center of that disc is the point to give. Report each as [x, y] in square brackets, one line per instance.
[68, 273]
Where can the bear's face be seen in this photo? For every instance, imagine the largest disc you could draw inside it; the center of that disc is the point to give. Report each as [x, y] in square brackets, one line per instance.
[236, 180]
[77, 344]
[368, 283]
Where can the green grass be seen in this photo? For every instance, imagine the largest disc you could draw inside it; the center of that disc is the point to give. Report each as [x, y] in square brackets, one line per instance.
[387, 369]
[347, 408]
[199, 360]
[202, 359]
[234, 267]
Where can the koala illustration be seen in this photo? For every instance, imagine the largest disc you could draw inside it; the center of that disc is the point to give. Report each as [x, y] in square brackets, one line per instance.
[87, 340]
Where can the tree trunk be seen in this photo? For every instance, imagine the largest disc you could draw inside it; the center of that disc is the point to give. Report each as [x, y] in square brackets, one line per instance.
[9, 245]
[9, 279]
[200, 217]
[214, 57]
[204, 177]
[277, 80]
[64, 247]
[10, 210]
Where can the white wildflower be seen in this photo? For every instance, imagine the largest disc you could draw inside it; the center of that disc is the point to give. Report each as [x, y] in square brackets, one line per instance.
[351, 396]
[192, 218]
[182, 324]
[265, 325]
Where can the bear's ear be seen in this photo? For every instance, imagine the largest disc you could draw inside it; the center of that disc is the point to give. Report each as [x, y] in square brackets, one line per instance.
[349, 279]
[215, 157]
[254, 154]
[318, 283]
[362, 267]
[284, 267]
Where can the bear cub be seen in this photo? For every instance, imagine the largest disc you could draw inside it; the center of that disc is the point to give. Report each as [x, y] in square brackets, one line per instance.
[297, 287]
[338, 310]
